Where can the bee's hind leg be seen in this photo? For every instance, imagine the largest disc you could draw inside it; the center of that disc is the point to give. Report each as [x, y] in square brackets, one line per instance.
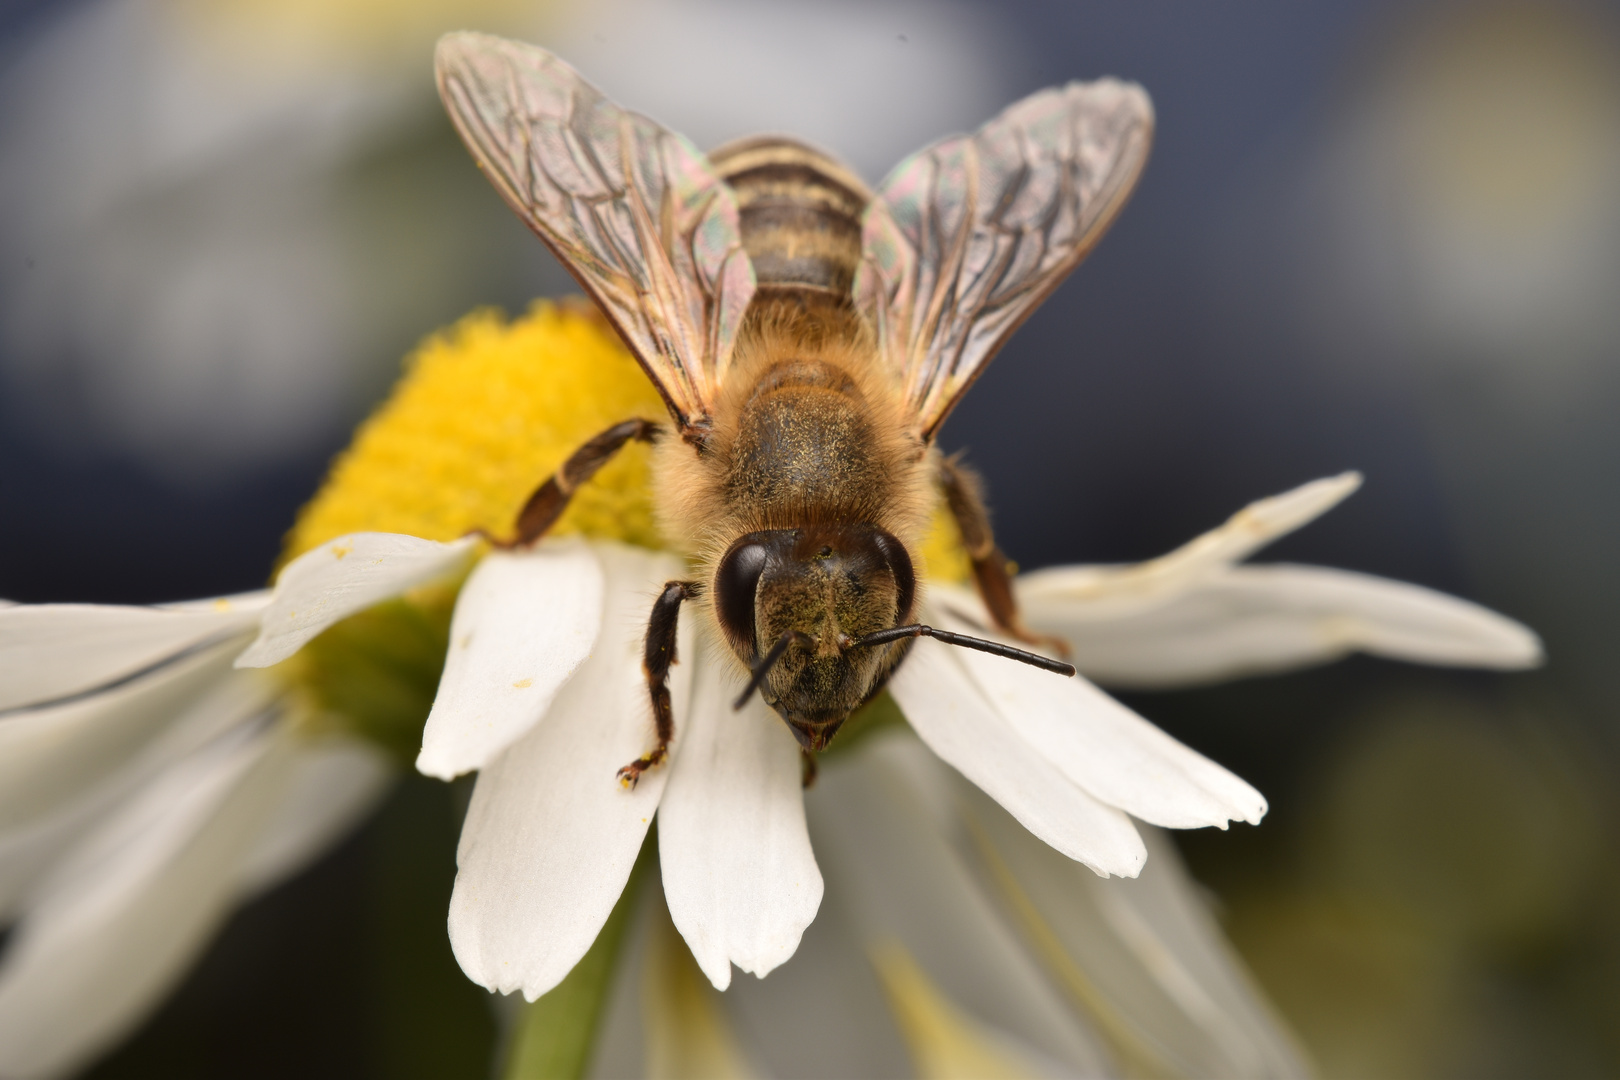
[550, 499]
[659, 654]
[991, 569]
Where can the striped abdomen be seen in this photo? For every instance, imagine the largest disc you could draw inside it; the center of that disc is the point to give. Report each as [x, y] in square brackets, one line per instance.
[801, 218]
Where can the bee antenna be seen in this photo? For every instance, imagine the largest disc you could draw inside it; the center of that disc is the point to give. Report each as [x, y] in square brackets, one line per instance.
[994, 648]
[768, 661]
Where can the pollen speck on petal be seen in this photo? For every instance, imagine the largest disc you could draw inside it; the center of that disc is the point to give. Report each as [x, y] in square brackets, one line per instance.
[314, 591]
[524, 622]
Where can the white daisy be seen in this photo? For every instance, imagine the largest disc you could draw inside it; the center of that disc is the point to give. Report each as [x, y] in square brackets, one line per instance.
[543, 692]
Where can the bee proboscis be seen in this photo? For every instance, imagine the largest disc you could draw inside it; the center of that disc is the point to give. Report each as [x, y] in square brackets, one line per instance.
[808, 336]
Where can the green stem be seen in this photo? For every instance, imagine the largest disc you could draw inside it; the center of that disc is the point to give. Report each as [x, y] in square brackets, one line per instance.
[556, 1034]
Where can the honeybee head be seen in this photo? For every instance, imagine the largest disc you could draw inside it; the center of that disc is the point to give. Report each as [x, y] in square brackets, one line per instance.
[809, 594]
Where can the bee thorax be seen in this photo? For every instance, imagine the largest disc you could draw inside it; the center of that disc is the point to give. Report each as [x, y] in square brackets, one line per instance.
[805, 438]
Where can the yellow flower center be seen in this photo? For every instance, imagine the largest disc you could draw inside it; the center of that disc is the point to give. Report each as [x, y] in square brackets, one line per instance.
[485, 411]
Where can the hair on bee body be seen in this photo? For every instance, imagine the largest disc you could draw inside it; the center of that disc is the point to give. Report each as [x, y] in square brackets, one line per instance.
[805, 432]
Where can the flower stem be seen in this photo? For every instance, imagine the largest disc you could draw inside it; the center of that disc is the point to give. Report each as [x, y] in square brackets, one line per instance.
[558, 1031]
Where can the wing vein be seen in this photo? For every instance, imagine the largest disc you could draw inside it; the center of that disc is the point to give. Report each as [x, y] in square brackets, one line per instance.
[966, 237]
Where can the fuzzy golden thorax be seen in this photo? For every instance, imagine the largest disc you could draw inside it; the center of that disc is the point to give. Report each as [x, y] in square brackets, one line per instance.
[809, 443]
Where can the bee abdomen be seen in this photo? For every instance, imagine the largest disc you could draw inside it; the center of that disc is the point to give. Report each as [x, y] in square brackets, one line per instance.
[800, 214]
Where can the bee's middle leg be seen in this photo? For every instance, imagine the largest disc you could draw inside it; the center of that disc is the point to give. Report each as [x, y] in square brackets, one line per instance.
[991, 569]
[550, 499]
[659, 654]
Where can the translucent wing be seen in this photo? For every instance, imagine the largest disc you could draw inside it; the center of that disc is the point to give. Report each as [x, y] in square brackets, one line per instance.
[966, 237]
[630, 208]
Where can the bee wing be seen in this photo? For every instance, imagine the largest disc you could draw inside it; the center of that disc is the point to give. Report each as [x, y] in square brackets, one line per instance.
[631, 209]
[965, 238]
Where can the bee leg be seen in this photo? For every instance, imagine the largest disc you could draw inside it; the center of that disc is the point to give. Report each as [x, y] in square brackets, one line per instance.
[659, 654]
[808, 770]
[550, 499]
[991, 569]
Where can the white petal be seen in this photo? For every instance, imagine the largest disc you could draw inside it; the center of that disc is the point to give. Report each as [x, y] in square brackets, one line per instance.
[551, 835]
[951, 714]
[739, 877]
[48, 757]
[247, 604]
[334, 784]
[341, 577]
[1120, 589]
[1251, 620]
[1101, 745]
[524, 621]
[1146, 951]
[65, 769]
[49, 651]
[902, 869]
[131, 907]
[27, 852]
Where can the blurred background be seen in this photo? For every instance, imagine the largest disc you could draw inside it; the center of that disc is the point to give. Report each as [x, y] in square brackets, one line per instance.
[1373, 235]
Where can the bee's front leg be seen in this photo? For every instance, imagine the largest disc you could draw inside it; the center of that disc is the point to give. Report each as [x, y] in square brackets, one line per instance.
[655, 662]
[991, 569]
[550, 499]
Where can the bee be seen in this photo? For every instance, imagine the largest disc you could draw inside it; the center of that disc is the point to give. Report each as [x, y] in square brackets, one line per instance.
[809, 336]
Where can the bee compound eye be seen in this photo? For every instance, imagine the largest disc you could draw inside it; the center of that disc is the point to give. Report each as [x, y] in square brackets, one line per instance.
[735, 584]
[905, 578]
